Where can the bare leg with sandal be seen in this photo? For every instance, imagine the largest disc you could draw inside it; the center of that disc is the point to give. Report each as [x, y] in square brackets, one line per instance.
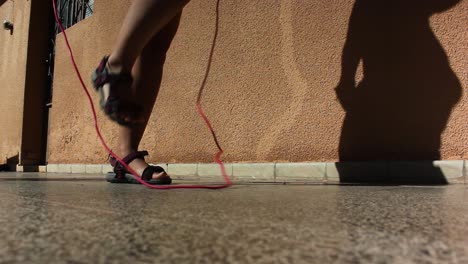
[128, 81]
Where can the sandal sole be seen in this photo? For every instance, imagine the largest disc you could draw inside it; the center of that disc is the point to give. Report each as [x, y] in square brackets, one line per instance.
[130, 179]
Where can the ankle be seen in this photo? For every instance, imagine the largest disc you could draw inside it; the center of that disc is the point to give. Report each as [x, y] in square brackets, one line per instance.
[124, 151]
[117, 65]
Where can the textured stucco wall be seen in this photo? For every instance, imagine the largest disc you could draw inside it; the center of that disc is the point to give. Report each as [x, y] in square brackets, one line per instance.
[13, 52]
[270, 93]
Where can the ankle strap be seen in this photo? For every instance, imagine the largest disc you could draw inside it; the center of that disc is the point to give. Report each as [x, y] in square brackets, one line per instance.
[129, 158]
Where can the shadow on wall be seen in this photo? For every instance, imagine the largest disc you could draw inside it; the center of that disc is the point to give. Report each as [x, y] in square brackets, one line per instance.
[10, 164]
[400, 108]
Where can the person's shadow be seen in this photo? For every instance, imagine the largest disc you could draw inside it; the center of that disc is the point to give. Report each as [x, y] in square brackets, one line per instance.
[400, 108]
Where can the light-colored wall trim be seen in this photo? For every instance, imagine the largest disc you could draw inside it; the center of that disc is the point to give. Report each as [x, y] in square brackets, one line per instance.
[452, 171]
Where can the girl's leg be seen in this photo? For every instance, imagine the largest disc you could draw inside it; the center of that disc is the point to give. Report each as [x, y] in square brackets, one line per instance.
[147, 73]
[144, 20]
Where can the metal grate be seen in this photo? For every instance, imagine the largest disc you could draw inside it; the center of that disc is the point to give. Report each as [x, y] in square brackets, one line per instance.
[70, 12]
[73, 11]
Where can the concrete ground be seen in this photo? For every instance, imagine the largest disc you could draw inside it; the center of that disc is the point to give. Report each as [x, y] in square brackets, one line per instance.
[90, 221]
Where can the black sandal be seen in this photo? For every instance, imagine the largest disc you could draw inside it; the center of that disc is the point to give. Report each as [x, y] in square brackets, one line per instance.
[121, 175]
[115, 108]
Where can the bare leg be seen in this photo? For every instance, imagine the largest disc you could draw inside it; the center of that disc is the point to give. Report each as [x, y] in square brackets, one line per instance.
[144, 20]
[147, 73]
[144, 38]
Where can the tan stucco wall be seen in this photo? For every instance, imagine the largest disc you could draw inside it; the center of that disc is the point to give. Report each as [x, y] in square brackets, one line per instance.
[13, 52]
[270, 93]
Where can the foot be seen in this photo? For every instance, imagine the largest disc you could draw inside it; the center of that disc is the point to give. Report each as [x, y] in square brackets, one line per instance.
[140, 165]
[114, 85]
[136, 161]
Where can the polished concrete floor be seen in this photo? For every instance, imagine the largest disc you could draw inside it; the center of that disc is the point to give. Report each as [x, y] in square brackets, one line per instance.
[64, 221]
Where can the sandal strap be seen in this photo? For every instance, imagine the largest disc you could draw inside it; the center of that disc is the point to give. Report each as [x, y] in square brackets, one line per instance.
[119, 169]
[103, 75]
[149, 171]
[135, 155]
[129, 158]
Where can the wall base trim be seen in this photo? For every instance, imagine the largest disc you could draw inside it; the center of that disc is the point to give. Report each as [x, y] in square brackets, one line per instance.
[410, 172]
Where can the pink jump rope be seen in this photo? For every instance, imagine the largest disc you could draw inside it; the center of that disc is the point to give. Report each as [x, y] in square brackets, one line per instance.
[199, 110]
